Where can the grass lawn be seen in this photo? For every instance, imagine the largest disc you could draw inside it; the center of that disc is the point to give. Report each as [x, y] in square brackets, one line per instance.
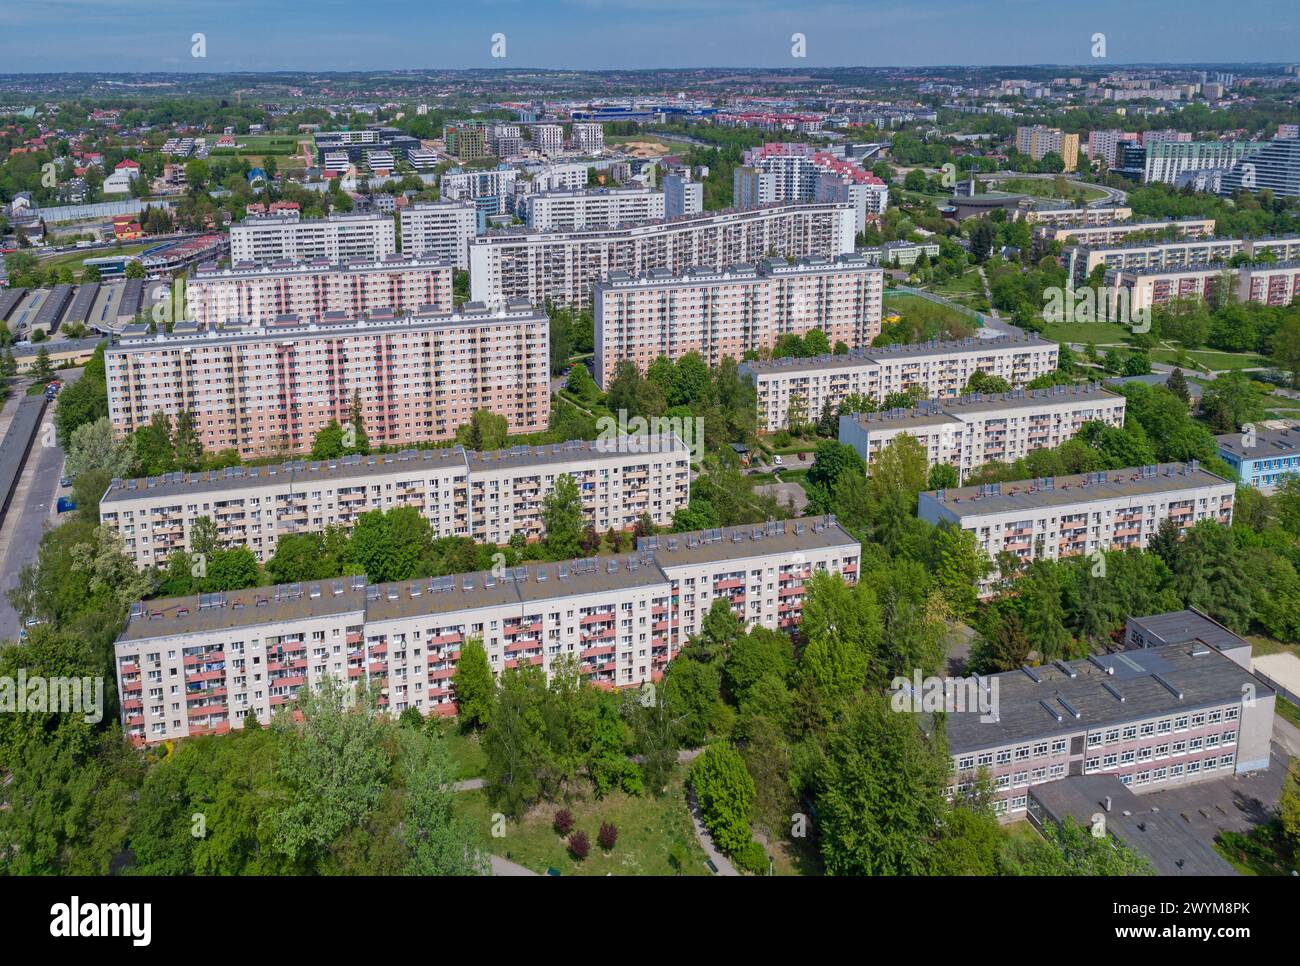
[75, 259]
[466, 753]
[281, 145]
[1098, 333]
[1212, 358]
[1046, 188]
[648, 828]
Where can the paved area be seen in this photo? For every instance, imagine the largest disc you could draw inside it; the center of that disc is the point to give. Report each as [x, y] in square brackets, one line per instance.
[502, 866]
[706, 841]
[1234, 804]
[1286, 736]
[785, 493]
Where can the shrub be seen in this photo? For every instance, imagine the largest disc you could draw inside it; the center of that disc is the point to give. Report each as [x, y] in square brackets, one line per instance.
[751, 857]
[563, 823]
[607, 836]
[578, 845]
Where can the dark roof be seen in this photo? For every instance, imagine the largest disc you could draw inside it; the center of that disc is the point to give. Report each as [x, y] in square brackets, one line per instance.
[1172, 846]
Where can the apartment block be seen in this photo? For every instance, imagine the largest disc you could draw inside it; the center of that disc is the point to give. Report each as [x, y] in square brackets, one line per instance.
[1272, 283]
[969, 431]
[1039, 141]
[488, 497]
[1151, 717]
[200, 665]
[793, 171]
[1263, 456]
[598, 208]
[733, 311]
[1117, 233]
[564, 267]
[468, 142]
[1065, 516]
[588, 137]
[1146, 287]
[942, 369]
[547, 138]
[492, 191]
[277, 238]
[440, 229]
[314, 290]
[1081, 260]
[1088, 217]
[682, 196]
[1105, 145]
[1166, 160]
[268, 388]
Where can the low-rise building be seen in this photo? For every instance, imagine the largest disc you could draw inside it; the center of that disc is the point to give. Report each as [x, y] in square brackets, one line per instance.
[1262, 455]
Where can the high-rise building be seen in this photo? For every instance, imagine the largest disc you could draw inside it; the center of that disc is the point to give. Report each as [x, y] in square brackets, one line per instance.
[492, 190]
[1166, 160]
[794, 171]
[565, 266]
[1039, 141]
[269, 388]
[739, 309]
[548, 139]
[682, 196]
[311, 291]
[597, 208]
[468, 142]
[589, 137]
[440, 229]
[1274, 167]
[286, 237]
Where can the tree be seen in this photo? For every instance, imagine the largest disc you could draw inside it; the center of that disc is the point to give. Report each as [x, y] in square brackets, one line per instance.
[440, 843]
[95, 448]
[981, 241]
[942, 476]
[882, 786]
[1070, 849]
[563, 519]
[134, 269]
[391, 546]
[513, 743]
[42, 371]
[1286, 347]
[473, 686]
[725, 794]
[1231, 401]
[959, 565]
[485, 431]
[1177, 384]
[691, 689]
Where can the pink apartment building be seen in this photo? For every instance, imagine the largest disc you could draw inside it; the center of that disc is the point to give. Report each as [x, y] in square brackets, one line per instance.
[269, 388]
[735, 310]
[313, 290]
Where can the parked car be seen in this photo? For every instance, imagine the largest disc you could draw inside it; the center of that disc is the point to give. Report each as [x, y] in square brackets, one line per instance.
[776, 460]
[65, 482]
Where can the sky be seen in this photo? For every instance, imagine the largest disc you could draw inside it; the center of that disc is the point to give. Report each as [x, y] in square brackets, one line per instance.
[267, 35]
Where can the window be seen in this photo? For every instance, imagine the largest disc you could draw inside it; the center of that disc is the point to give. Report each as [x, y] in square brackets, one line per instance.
[1112, 736]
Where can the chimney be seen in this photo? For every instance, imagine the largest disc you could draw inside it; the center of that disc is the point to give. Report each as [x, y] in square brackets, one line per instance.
[1107, 803]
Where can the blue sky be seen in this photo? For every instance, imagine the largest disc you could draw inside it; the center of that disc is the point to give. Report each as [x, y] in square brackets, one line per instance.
[62, 35]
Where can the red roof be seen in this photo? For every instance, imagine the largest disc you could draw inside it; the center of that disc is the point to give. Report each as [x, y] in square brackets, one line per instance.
[125, 163]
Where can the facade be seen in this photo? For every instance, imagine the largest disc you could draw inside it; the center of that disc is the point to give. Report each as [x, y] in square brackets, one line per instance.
[1184, 253]
[565, 266]
[200, 665]
[1105, 145]
[1082, 514]
[1039, 141]
[1145, 287]
[733, 311]
[598, 208]
[269, 388]
[313, 290]
[548, 138]
[1085, 217]
[969, 431]
[468, 142]
[682, 196]
[942, 369]
[1166, 160]
[1115, 233]
[275, 238]
[588, 137]
[1154, 717]
[488, 497]
[493, 191]
[441, 229]
[1262, 456]
[793, 171]
[1272, 283]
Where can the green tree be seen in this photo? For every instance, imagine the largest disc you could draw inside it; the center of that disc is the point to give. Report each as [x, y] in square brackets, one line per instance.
[485, 431]
[563, 519]
[475, 688]
[725, 792]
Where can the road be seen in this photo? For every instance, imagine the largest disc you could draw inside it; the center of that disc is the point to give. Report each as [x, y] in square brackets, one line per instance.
[31, 512]
[1114, 196]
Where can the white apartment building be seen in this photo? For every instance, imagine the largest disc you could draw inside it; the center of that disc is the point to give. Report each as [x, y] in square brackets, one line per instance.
[547, 138]
[1066, 516]
[1166, 160]
[558, 177]
[588, 137]
[942, 369]
[495, 187]
[488, 497]
[598, 208]
[1115, 233]
[1081, 260]
[275, 238]
[967, 432]
[739, 309]
[314, 290]
[1078, 216]
[439, 229]
[565, 266]
[783, 172]
[200, 665]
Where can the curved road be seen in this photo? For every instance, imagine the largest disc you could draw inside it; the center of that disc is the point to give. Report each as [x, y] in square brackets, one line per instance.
[1114, 196]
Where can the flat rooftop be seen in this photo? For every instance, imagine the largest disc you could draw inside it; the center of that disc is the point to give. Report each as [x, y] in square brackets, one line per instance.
[1268, 442]
[1138, 481]
[1181, 626]
[433, 595]
[876, 355]
[935, 412]
[306, 473]
[1100, 692]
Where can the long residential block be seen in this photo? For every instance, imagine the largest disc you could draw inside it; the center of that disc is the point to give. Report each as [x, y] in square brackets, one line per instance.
[1115, 233]
[269, 388]
[739, 309]
[599, 208]
[565, 266]
[313, 290]
[276, 238]
[439, 229]
[941, 369]
[1081, 260]
[1177, 710]
[486, 496]
[198, 665]
[969, 431]
[1065, 516]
